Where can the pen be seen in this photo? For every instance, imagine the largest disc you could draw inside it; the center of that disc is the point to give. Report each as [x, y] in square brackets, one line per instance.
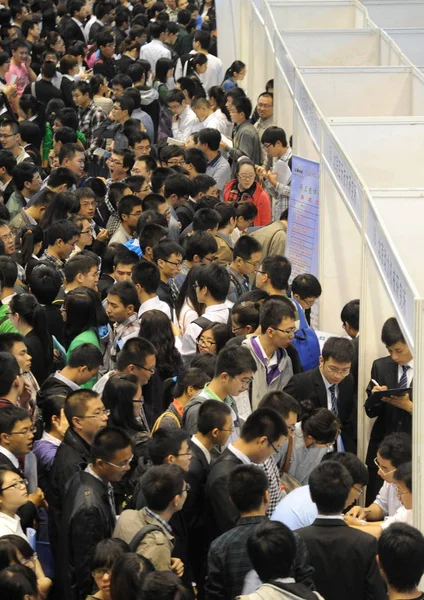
[375, 382]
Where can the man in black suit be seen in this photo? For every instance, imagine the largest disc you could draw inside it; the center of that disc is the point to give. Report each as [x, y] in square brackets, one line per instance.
[350, 323]
[331, 386]
[16, 439]
[214, 425]
[394, 414]
[344, 558]
[73, 28]
[263, 433]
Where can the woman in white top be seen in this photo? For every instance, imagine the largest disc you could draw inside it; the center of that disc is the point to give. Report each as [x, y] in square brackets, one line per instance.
[314, 436]
[188, 308]
[13, 495]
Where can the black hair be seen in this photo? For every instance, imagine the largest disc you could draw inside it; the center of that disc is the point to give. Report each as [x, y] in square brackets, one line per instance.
[127, 204]
[107, 552]
[221, 332]
[134, 351]
[57, 212]
[247, 210]
[278, 268]
[8, 553]
[245, 314]
[205, 362]
[212, 415]
[319, 423]
[9, 269]
[358, 471]
[80, 263]
[128, 574]
[163, 66]
[341, 350]
[65, 135]
[61, 175]
[159, 176]
[167, 152]
[161, 484]
[107, 442]
[163, 250]
[206, 218]
[151, 234]
[245, 247]
[63, 230]
[187, 84]
[247, 485]
[281, 402]
[18, 581]
[200, 243]
[306, 286]
[68, 118]
[45, 282]
[350, 314]
[164, 443]
[156, 326]
[164, 585]
[329, 484]
[243, 105]
[404, 473]
[401, 556]
[126, 292]
[180, 185]
[187, 292]
[31, 133]
[264, 422]
[397, 448]
[10, 370]
[9, 416]
[175, 96]
[274, 134]
[197, 158]
[272, 312]
[7, 161]
[152, 202]
[391, 333]
[216, 279]
[85, 355]
[272, 549]
[84, 312]
[147, 275]
[226, 211]
[118, 395]
[235, 360]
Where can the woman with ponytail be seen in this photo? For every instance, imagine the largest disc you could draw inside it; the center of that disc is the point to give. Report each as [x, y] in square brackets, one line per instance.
[30, 241]
[236, 72]
[29, 317]
[197, 65]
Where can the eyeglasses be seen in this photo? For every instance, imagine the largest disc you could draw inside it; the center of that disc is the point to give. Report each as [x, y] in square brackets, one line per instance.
[203, 342]
[336, 371]
[189, 453]
[246, 176]
[310, 303]
[276, 450]
[234, 329]
[87, 232]
[209, 259]
[400, 493]
[101, 572]
[20, 484]
[7, 236]
[178, 163]
[383, 469]
[176, 264]
[249, 262]
[360, 490]
[151, 370]
[186, 489]
[261, 272]
[6, 135]
[112, 161]
[25, 431]
[104, 412]
[223, 429]
[289, 331]
[124, 466]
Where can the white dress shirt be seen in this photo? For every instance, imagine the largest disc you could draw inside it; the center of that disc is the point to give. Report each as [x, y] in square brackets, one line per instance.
[155, 304]
[215, 121]
[218, 313]
[11, 525]
[409, 372]
[213, 74]
[153, 51]
[187, 124]
[202, 448]
[244, 459]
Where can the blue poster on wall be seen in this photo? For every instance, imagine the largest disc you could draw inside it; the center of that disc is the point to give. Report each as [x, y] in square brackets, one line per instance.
[302, 232]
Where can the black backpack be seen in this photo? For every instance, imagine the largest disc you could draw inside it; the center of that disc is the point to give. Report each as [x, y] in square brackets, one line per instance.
[141, 534]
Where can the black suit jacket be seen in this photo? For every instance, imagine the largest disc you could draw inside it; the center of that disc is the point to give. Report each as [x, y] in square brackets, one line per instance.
[310, 386]
[344, 560]
[28, 512]
[220, 513]
[72, 33]
[389, 418]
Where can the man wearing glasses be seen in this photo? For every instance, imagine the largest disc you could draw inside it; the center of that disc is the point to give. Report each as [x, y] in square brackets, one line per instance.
[331, 386]
[16, 440]
[270, 349]
[86, 415]
[89, 512]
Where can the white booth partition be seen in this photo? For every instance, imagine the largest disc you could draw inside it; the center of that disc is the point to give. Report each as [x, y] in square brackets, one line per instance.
[366, 91]
[384, 151]
[391, 13]
[411, 42]
[343, 48]
[315, 14]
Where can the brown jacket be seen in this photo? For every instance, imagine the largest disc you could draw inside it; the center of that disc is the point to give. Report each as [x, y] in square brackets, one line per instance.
[156, 546]
[225, 249]
[272, 237]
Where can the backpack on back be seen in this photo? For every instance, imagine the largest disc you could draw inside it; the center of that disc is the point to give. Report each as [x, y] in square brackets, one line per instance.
[306, 342]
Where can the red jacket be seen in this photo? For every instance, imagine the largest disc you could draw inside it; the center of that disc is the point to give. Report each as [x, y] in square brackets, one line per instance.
[260, 199]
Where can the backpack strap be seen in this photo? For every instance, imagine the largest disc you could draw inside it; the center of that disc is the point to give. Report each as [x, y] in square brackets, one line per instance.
[202, 322]
[33, 91]
[159, 420]
[237, 285]
[141, 534]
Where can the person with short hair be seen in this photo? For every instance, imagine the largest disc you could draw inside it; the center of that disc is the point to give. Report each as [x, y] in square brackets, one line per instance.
[306, 289]
[89, 512]
[226, 227]
[277, 179]
[32, 213]
[12, 384]
[72, 157]
[168, 257]
[177, 191]
[165, 491]
[343, 558]
[394, 414]
[297, 509]
[263, 432]
[61, 239]
[122, 305]
[105, 63]
[331, 386]
[11, 140]
[247, 256]
[28, 182]
[400, 560]
[246, 141]
[201, 248]
[184, 120]
[19, 70]
[212, 287]
[146, 277]
[90, 116]
[156, 48]
[43, 89]
[218, 167]
[129, 212]
[272, 551]
[7, 164]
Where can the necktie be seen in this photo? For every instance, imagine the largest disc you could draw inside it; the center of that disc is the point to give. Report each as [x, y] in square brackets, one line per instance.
[403, 381]
[111, 500]
[334, 407]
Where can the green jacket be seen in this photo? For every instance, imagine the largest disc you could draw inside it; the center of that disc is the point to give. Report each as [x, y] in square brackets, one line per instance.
[6, 325]
[86, 337]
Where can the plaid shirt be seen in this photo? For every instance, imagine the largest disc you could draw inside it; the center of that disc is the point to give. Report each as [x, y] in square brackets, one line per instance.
[164, 523]
[121, 332]
[90, 119]
[228, 561]
[275, 494]
[58, 264]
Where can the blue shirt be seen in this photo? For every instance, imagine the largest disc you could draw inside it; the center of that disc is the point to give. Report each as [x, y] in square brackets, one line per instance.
[296, 510]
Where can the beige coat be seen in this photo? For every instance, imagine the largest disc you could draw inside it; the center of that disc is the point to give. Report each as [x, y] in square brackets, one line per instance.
[272, 237]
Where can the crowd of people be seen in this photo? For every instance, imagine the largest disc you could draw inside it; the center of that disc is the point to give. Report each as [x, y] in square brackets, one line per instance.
[170, 426]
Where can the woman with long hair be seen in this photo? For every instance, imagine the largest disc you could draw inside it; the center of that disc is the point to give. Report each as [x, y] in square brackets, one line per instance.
[84, 318]
[106, 554]
[235, 73]
[30, 241]
[188, 308]
[163, 73]
[31, 109]
[55, 42]
[61, 207]
[197, 65]
[217, 102]
[29, 317]
[130, 51]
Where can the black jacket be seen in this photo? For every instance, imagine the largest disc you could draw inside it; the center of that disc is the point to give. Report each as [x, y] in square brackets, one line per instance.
[344, 559]
[220, 513]
[52, 388]
[71, 32]
[44, 91]
[66, 86]
[310, 386]
[105, 66]
[87, 519]
[72, 455]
